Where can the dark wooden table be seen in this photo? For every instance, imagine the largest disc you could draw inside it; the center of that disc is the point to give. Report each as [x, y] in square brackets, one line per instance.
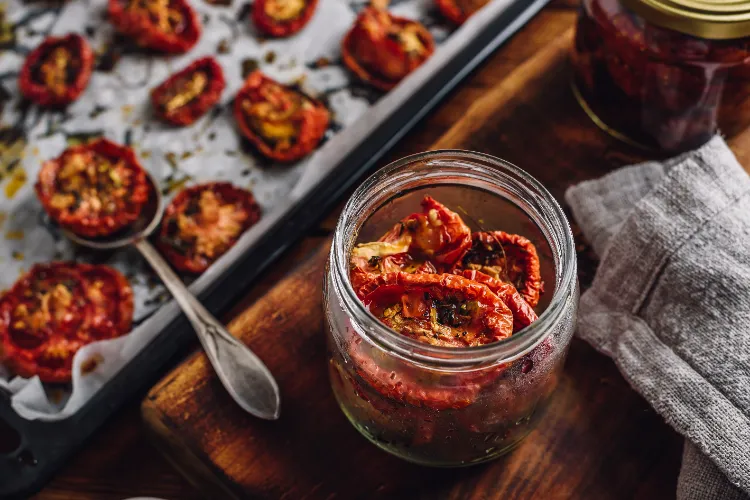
[120, 461]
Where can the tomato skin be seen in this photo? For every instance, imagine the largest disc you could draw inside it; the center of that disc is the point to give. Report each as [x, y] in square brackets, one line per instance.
[429, 242]
[455, 236]
[523, 313]
[492, 320]
[403, 386]
[437, 233]
[112, 307]
[515, 254]
[55, 344]
[451, 11]
[311, 122]
[93, 224]
[363, 274]
[146, 33]
[371, 53]
[189, 260]
[208, 97]
[38, 92]
[275, 28]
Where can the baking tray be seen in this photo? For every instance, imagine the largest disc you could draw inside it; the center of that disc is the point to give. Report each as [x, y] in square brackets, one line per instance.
[343, 161]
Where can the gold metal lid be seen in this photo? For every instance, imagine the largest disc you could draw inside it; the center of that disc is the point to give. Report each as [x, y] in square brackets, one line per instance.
[713, 19]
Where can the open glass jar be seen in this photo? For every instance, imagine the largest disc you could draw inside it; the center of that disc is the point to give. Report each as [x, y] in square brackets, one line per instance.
[437, 405]
[664, 74]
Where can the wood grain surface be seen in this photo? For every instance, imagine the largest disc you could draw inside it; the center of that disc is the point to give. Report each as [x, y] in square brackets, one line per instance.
[605, 420]
[598, 438]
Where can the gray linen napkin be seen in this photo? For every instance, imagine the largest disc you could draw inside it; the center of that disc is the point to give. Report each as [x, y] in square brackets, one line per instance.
[670, 302]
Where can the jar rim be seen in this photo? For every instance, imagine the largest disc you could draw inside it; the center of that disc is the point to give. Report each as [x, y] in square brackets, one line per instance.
[489, 168]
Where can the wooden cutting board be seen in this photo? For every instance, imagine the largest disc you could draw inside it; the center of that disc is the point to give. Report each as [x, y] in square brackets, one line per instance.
[598, 439]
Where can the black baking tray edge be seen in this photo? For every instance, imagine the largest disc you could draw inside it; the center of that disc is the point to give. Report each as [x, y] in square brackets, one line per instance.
[46, 445]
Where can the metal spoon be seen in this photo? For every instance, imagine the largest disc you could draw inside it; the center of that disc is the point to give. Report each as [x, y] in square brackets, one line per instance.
[243, 374]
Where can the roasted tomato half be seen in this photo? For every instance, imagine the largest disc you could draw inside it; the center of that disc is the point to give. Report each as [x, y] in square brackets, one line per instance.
[95, 189]
[422, 243]
[203, 222]
[507, 257]
[458, 11]
[57, 72]
[365, 270]
[282, 123]
[440, 309]
[418, 388]
[57, 308]
[381, 49]
[170, 26]
[282, 17]
[523, 313]
[436, 233]
[186, 96]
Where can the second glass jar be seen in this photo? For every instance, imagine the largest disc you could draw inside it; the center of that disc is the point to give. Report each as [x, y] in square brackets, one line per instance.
[664, 75]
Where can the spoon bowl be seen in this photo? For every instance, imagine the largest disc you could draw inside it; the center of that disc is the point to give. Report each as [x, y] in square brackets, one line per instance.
[142, 228]
[242, 373]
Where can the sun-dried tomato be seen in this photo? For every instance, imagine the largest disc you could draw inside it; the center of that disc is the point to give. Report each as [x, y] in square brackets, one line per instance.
[437, 234]
[440, 309]
[94, 189]
[365, 270]
[381, 49]
[458, 11]
[523, 313]
[56, 309]
[203, 222]
[658, 87]
[186, 95]
[57, 72]
[111, 299]
[283, 123]
[418, 388]
[281, 18]
[170, 26]
[534, 369]
[424, 243]
[507, 257]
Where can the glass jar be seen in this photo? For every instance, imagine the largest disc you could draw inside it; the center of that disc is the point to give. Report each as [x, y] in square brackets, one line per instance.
[664, 74]
[448, 406]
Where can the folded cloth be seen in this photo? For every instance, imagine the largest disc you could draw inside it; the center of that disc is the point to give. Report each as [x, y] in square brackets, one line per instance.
[670, 302]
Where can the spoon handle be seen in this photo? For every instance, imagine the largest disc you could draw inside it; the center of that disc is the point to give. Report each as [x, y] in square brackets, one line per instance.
[243, 374]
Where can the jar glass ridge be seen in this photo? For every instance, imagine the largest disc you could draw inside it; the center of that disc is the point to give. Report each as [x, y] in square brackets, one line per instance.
[415, 399]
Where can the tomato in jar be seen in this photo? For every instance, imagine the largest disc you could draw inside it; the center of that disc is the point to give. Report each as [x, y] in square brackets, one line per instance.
[662, 81]
[440, 309]
[413, 388]
[523, 312]
[458, 11]
[423, 243]
[506, 257]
